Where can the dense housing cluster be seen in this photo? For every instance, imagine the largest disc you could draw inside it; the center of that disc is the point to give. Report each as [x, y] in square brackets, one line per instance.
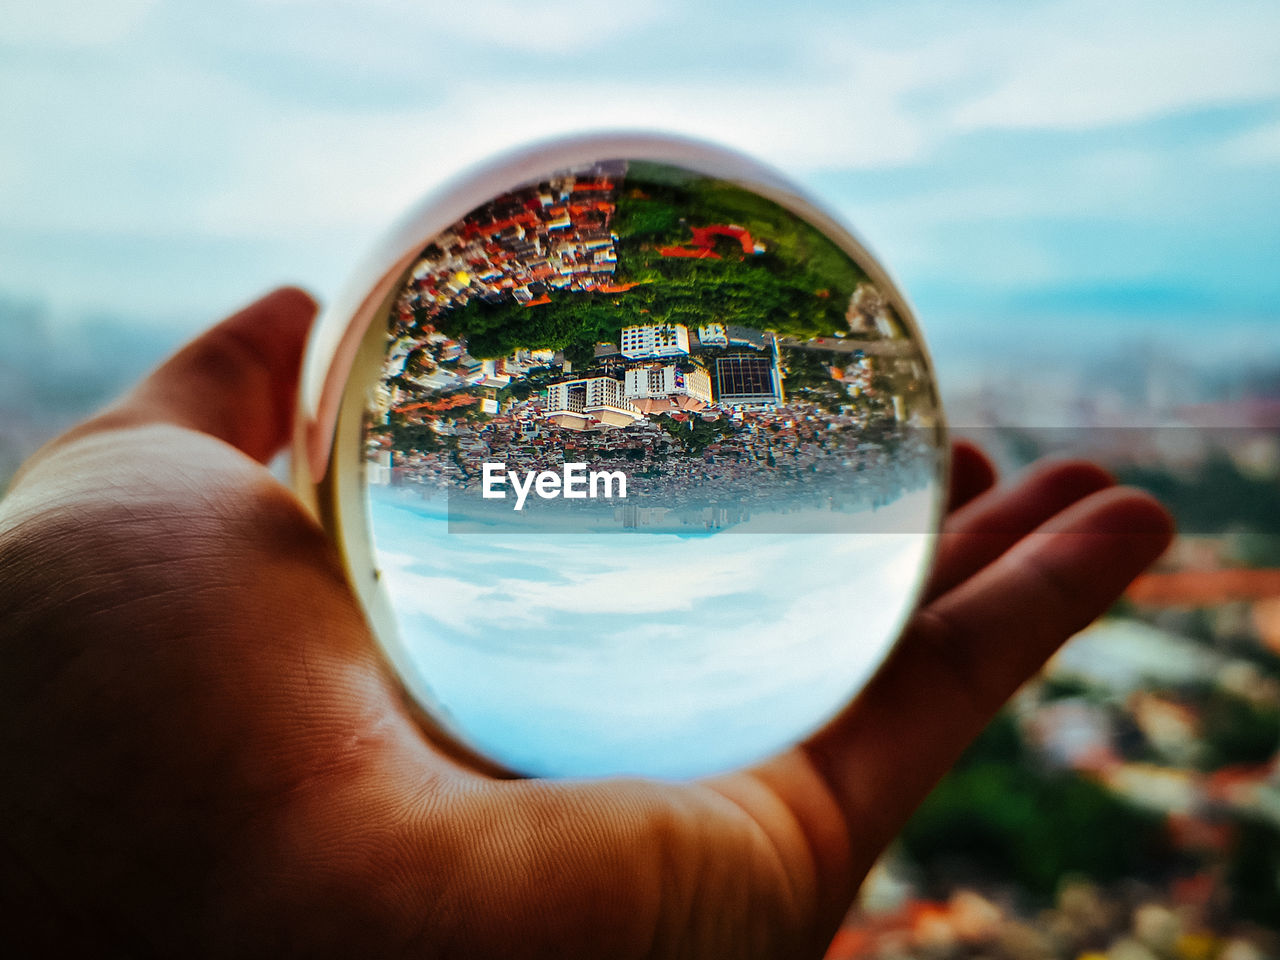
[550, 236]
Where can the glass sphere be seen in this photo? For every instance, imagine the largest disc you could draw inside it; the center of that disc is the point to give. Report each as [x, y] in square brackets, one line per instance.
[635, 457]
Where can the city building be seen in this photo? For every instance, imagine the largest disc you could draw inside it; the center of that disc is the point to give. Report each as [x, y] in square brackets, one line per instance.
[519, 246]
[654, 388]
[748, 381]
[377, 468]
[578, 404]
[605, 351]
[648, 341]
[492, 375]
[713, 335]
[397, 355]
[740, 336]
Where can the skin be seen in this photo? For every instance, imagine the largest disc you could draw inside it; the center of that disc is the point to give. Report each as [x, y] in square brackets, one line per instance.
[204, 753]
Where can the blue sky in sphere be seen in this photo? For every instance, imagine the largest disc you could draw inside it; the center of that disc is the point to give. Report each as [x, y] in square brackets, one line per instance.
[642, 653]
[1035, 174]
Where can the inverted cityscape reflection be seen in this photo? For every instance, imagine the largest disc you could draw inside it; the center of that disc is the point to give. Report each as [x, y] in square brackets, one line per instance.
[653, 467]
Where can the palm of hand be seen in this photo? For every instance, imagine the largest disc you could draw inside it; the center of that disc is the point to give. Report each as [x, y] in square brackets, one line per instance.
[207, 753]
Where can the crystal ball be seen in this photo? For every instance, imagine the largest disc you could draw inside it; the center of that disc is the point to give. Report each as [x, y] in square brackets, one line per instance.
[634, 455]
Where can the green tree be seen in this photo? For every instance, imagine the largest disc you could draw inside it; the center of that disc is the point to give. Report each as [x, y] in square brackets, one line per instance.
[1237, 732]
[799, 286]
[1253, 873]
[1002, 816]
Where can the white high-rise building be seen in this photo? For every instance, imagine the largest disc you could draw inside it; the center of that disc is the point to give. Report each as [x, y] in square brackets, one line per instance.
[643, 342]
[576, 403]
[655, 389]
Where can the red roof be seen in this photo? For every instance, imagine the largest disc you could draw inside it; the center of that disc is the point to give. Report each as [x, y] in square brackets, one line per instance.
[444, 403]
[497, 226]
[1225, 778]
[1203, 588]
[603, 206]
[704, 240]
[700, 253]
[702, 236]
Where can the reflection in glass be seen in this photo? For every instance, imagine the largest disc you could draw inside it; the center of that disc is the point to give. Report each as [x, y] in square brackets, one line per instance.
[652, 469]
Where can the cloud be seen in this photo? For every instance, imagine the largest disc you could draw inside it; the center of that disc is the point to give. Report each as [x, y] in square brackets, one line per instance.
[263, 138]
[69, 24]
[620, 587]
[556, 26]
[551, 26]
[1094, 63]
[656, 654]
[599, 576]
[1257, 147]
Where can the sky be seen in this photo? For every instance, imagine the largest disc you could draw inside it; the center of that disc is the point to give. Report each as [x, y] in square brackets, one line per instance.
[1041, 174]
[641, 653]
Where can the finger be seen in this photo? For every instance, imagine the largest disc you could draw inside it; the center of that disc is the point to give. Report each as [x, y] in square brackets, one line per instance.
[236, 382]
[972, 473]
[966, 654]
[990, 524]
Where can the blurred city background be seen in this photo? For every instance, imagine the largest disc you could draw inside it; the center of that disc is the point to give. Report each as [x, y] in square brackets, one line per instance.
[1081, 198]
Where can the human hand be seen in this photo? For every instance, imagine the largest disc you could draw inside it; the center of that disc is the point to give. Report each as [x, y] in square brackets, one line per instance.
[204, 751]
